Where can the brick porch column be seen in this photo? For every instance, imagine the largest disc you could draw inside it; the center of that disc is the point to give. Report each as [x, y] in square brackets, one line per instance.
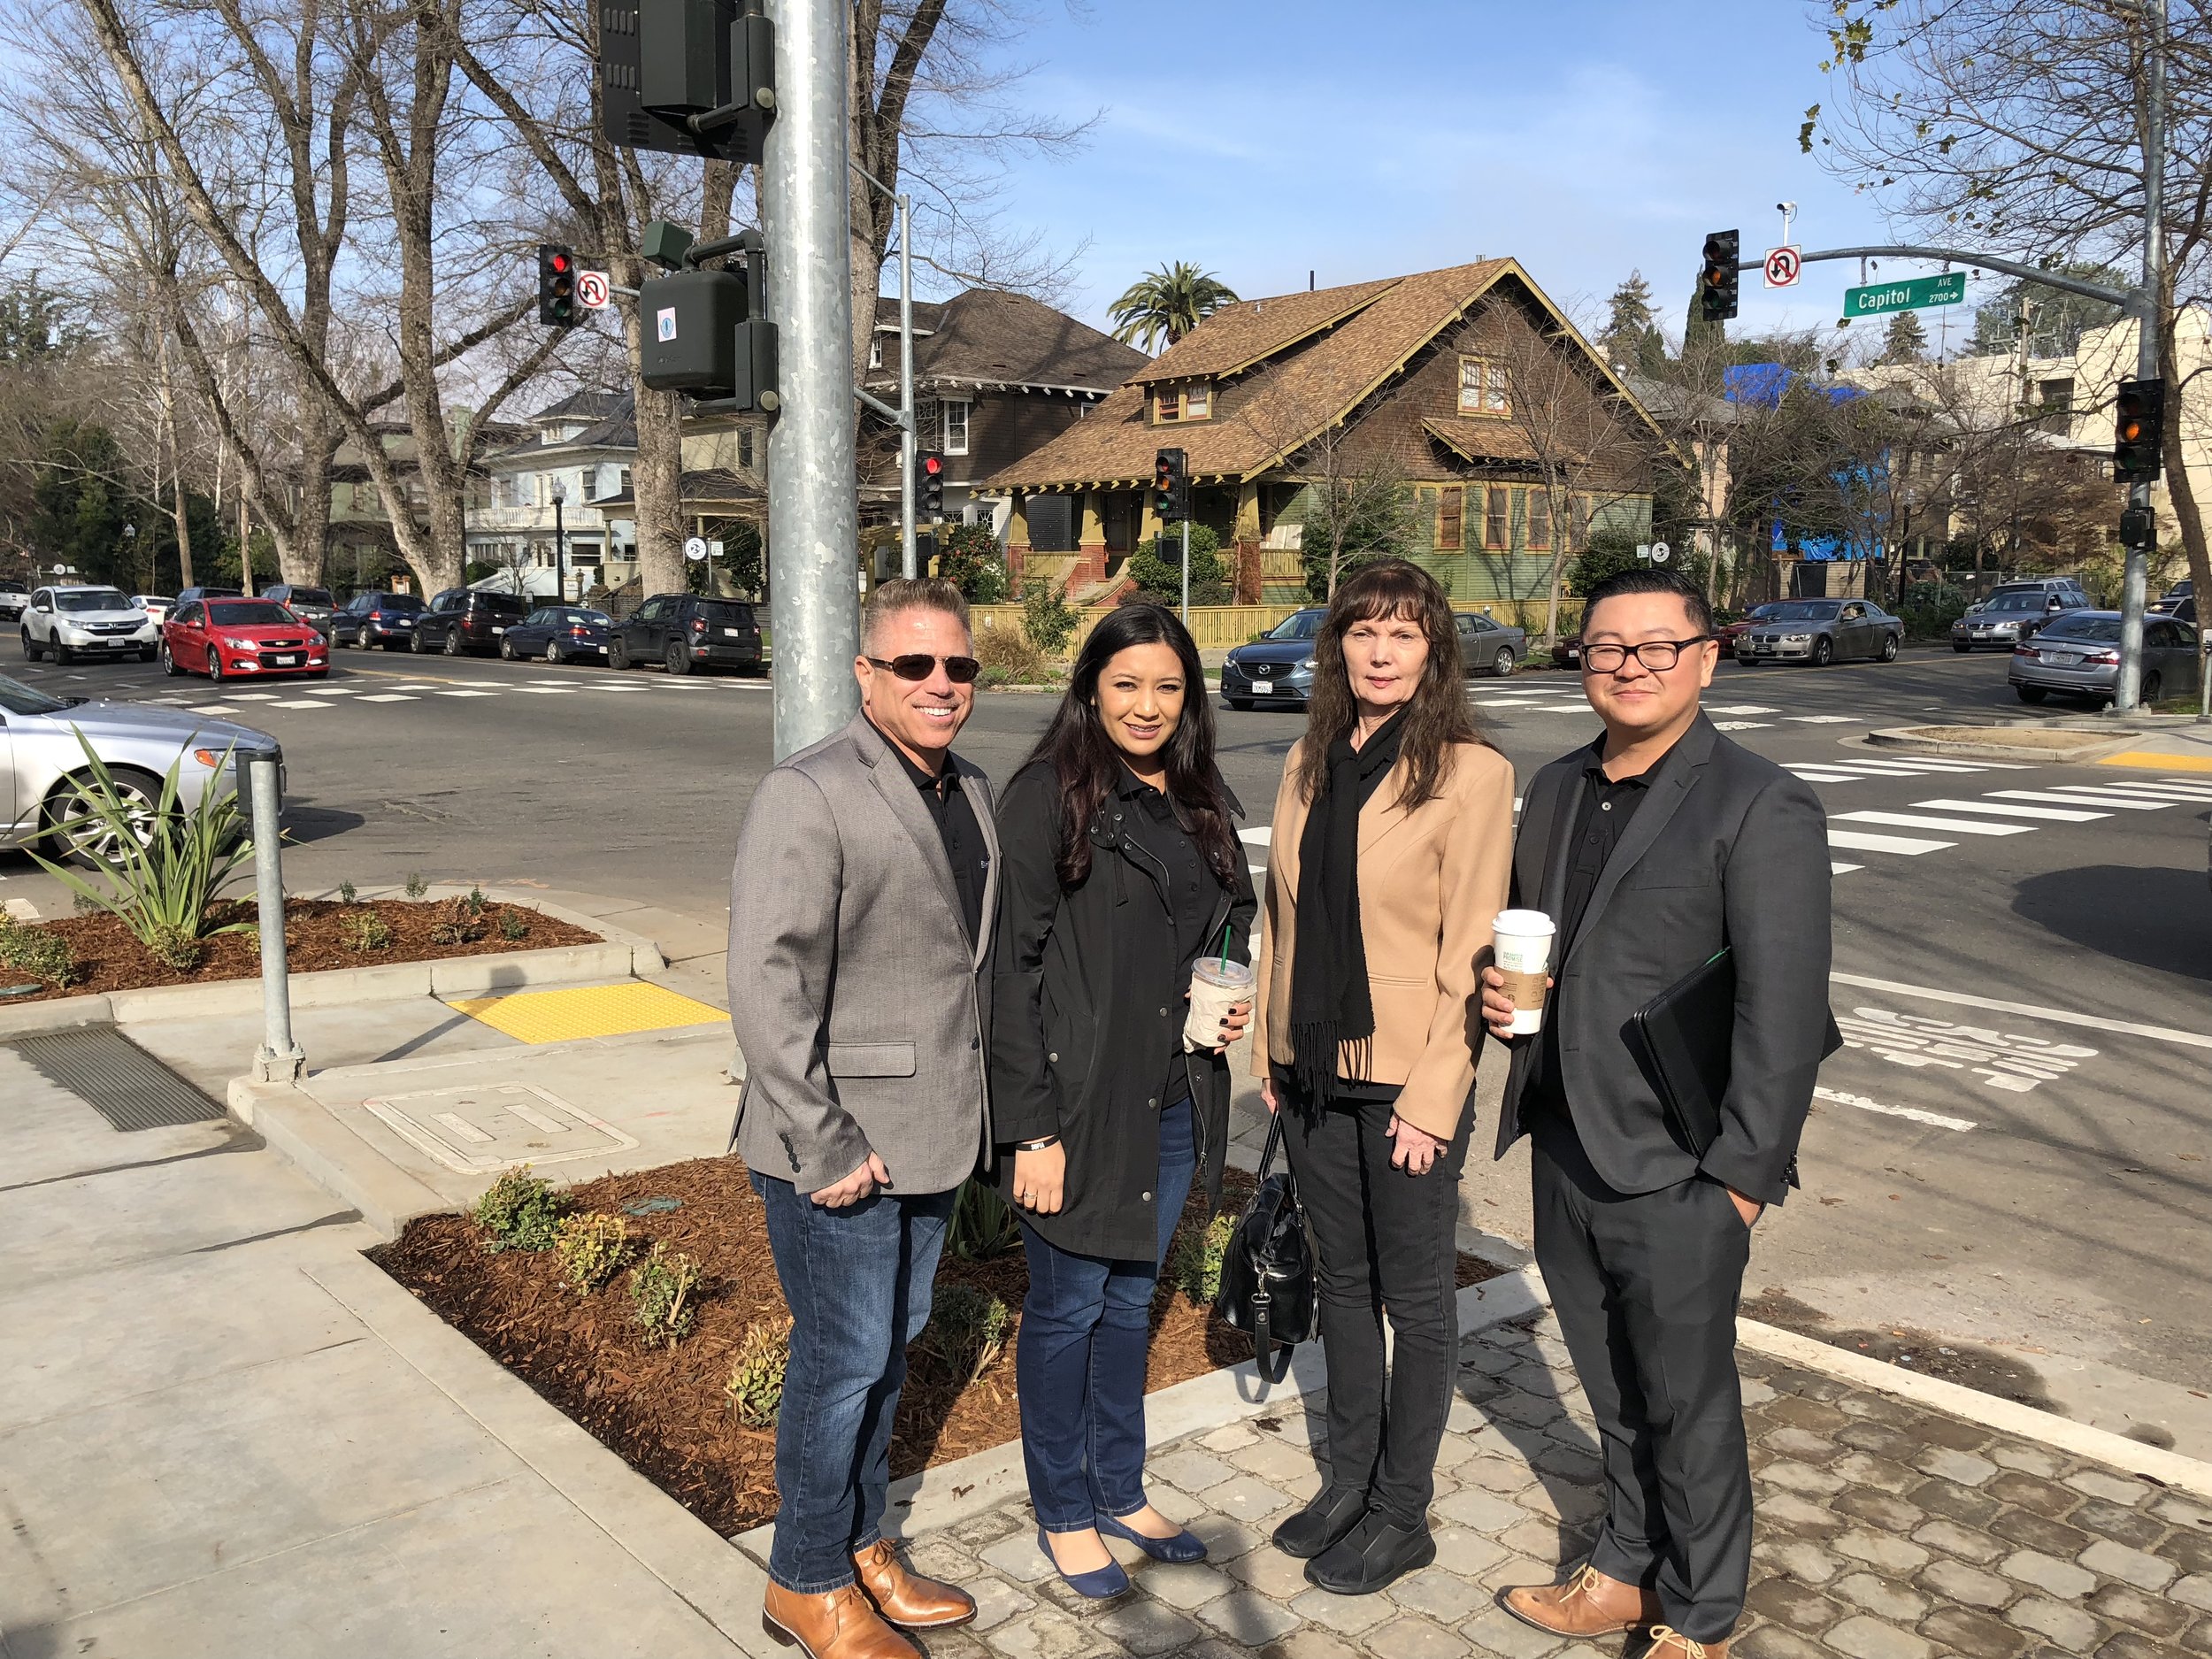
[1090, 541]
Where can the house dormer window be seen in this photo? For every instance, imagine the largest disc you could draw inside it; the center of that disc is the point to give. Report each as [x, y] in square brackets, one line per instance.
[1483, 389]
[1193, 401]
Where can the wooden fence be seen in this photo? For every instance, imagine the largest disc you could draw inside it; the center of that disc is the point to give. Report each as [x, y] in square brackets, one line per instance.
[1218, 627]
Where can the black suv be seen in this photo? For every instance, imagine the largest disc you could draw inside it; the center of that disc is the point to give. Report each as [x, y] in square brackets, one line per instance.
[465, 621]
[310, 605]
[685, 633]
[376, 618]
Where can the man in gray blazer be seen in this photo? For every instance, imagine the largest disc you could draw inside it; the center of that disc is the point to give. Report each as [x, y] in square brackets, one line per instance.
[1652, 849]
[860, 925]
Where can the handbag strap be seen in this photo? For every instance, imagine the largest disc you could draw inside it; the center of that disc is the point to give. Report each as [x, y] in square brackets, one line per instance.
[1274, 1139]
[1278, 1367]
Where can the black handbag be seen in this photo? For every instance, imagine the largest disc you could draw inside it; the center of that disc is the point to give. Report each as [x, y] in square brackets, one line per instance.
[1267, 1289]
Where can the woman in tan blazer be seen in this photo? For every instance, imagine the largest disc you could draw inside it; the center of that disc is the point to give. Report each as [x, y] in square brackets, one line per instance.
[1392, 847]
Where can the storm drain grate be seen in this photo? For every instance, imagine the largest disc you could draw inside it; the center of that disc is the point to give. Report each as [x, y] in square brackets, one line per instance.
[116, 1077]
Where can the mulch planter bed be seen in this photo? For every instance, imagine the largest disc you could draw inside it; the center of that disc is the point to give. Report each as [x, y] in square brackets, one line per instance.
[663, 1410]
[315, 937]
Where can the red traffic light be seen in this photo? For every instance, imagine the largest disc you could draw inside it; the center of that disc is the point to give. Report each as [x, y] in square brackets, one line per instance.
[933, 465]
[560, 262]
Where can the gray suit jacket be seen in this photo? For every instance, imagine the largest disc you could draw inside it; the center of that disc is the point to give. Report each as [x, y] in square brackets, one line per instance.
[1729, 849]
[859, 1003]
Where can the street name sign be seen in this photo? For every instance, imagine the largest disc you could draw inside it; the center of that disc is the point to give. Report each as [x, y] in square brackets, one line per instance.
[1877, 297]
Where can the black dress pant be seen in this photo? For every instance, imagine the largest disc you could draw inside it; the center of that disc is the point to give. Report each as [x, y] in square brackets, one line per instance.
[1646, 1286]
[1384, 1240]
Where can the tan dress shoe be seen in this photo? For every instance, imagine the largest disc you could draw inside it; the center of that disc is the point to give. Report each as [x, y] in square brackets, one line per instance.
[841, 1625]
[1670, 1643]
[1588, 1604]
[907, 1599]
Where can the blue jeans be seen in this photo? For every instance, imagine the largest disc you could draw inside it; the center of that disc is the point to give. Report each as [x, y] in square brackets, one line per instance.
[857, 1283]
[1079, 1365]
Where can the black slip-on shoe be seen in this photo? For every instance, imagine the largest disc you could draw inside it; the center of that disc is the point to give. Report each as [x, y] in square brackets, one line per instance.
[1335, 1512]
[1377, 1552]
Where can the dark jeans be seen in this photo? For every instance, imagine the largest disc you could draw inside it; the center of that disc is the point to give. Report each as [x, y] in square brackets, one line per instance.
[1385, 1240]
[1645, 1286]
[1079, 1365]
[857, 1283]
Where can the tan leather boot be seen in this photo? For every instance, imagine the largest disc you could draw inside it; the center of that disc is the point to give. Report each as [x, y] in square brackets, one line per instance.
[1669, 1643]
[841, 1625]
[1588, 1604]
[907, 1599]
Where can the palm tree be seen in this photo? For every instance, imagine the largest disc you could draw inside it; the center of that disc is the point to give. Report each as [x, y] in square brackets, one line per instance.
[1170, 301]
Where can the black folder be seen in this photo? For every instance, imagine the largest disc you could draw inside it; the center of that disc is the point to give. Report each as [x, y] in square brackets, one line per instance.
[1686, 1032]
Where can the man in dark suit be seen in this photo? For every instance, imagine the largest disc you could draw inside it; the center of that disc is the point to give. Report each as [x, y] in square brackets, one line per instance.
[1652, 849]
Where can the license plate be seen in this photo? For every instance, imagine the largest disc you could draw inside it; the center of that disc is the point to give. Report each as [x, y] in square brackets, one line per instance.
[286, 662]
[1261, 688]
[2061, 659]
[1763, 649]
[497, 632]
[734, 634]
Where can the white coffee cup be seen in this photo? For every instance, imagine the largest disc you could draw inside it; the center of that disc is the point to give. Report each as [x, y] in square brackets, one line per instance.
[1215, 986]
[1524, 940]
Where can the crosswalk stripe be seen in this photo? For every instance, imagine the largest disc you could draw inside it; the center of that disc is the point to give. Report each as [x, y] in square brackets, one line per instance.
[468, 694]
[1826, 719]
[1914, 820]
[2109, 792]
[1859, 841]
[391, 696]
[2056, 815]
[308, 703]
[2050, 798]
[2164, 791]
[1835, 869]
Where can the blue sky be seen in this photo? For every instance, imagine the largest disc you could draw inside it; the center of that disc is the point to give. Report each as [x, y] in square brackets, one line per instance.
[1586, 137]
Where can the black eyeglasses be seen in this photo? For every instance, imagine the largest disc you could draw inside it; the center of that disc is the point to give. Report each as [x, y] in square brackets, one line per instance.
[916, 666]
[1656, 655]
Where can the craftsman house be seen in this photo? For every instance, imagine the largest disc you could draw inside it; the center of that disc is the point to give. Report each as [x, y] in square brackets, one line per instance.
[1462, 396]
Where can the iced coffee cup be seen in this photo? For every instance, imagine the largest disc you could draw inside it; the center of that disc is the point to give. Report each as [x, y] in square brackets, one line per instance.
[1523, 939]
[1216, 987]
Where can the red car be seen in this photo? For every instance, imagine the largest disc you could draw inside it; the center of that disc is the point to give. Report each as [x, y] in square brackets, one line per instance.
[242, 639]
[1729, 632]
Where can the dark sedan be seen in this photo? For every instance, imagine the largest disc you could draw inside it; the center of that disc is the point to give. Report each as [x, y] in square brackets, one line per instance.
[385, 619]
[559, 634]
[1277, 667]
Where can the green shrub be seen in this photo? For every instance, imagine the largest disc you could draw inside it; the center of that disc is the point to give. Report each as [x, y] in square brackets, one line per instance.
[1046, 617]
[417, 887]
[1012, 655]
[1196, 1267]
[966, 1331]
[521, 1212]
[38, 952]
[459, 923]
[756, 1384]
[346, 893]
[1156, 567]
[511, 925]
[591, 1247]
[982, 1225]
[968, 557]
[365, 932]
[661, 1286]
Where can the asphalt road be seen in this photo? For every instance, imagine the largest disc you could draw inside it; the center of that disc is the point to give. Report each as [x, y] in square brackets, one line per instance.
[2015, 1149]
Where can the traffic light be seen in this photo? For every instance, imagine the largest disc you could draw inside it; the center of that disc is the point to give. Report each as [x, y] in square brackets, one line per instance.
[2140, 424]
[686, 77]
[1716, 277]
[1171, 486]
[556, 285]
[929, 472]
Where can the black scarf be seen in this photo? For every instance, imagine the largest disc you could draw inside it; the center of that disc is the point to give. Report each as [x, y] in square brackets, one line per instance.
[1329, 1005]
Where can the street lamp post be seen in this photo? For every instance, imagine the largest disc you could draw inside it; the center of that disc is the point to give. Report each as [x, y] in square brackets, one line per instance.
[560, 544]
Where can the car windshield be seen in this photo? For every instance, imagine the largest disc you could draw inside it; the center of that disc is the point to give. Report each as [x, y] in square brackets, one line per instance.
[2101, 630]
[2017, 602]
[89, 599]
[1803, 610]
[1304, 626]
[18, 698]
[246, 613]
[399, 602]
[506, 604]
[308, 597]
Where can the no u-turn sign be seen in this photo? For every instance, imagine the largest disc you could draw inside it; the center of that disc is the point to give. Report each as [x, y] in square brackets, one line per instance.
[1783, 266]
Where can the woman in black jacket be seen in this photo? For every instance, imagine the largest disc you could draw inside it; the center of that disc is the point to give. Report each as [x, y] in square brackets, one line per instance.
[1119, 869]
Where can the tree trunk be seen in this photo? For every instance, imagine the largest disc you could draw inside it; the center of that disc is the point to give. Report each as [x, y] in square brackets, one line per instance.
[2181, 488]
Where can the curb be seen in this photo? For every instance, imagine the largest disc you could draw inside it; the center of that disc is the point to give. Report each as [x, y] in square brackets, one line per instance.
[620, 955]
[1908, 737]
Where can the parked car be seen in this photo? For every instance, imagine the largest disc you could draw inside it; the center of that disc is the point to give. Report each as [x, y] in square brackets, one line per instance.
[465, 621]
[1487, 646]
[2182, 593]
[685, 633]
[1820, 632]
[310, 605]
[242, 639]
[137, 742]
[559, 634]
[13, 598]
[186, 596]
[2079, 655]
[376, 618]
[2012, 616]
[1277, 667]
[1566, 650]
[82, 620]
[2062, 585]
[156, 605]
[1729, 632]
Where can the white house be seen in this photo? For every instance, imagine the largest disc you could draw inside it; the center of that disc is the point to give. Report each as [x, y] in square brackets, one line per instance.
[581, 454]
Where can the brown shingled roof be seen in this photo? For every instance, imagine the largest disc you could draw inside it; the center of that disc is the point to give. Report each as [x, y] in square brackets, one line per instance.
[1237, 337]
[984, 337]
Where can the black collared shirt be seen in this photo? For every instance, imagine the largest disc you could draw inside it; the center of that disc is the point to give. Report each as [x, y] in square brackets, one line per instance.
[956, 825]
[1190, 893]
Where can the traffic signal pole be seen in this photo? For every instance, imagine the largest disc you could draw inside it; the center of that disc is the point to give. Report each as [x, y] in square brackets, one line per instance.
[814, 604]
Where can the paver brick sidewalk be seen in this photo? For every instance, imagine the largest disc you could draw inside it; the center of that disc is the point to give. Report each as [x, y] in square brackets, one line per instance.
[1885, 1530]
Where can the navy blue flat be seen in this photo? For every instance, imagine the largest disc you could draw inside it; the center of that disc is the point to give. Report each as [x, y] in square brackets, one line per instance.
[1184, 1547]
[1102, 1584]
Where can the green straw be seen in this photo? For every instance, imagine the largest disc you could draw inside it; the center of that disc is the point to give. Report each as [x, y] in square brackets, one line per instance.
[1225, 946]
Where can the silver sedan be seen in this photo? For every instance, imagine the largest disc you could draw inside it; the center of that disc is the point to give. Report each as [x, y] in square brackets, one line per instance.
[2079, 655]
[40, 752]
[1820, 632]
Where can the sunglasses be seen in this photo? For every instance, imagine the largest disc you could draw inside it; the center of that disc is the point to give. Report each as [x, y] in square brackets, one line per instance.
[916, 666]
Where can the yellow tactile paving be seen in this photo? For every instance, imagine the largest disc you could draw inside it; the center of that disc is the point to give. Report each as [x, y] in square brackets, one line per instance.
[590, 1010]
[2157, 762]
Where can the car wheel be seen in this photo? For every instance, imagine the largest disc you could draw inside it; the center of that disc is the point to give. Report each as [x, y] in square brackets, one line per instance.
[2032, 694]
[72, 837]
[1242, 705]
[454, 646]
[2147, 690]
[1823, 651]
[169, 664]
[554, 654]
[677, 659]
[617, 651]
[1502, 663]
[1961, 647]
[415, 644]
[214, 664]
[147, 653]
[1889, 647]
[60, 653]
[507, 650]
[30, 652]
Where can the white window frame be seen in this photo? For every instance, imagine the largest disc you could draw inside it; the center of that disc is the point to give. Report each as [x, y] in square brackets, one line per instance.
[955, 415]
[1198, 401]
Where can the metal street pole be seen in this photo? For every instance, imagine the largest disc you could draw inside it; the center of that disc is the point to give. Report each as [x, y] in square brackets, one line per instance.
[813, 511]
[280, 1058]
[2135, 582]
[1186, 572]
[560, 547]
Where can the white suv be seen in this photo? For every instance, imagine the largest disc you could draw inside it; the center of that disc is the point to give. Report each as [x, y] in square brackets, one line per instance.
[80, 620]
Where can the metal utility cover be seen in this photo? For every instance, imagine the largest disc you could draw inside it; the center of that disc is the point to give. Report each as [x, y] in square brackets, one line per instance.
[486, 1128]
[116, 1077]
